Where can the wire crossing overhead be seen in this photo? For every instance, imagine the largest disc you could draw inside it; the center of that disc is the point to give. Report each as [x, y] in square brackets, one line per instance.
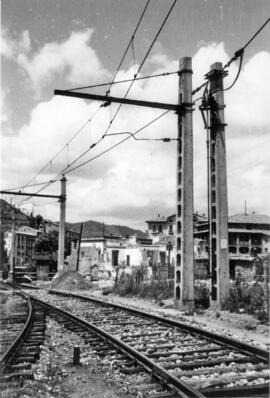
[164, 74]
[238, 54]
[117, 144]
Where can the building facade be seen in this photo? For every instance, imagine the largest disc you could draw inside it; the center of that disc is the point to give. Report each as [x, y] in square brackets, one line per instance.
[23, 246]
[249, 238]
[102, 256]
[47, 226]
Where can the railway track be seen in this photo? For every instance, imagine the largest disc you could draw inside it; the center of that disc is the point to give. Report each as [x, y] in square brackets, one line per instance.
[14, 312]
[210, 365]
[172, 359]
[154, 381]
[23, 347]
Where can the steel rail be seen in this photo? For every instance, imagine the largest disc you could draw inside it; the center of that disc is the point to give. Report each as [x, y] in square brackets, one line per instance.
[183, 389]
[11, 350]
[244, 347]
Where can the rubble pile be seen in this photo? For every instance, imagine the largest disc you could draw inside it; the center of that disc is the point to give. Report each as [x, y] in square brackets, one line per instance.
[71, 280]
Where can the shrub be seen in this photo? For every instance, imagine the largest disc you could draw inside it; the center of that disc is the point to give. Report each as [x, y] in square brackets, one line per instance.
[135, 284]
[248, 297]
[202, 295]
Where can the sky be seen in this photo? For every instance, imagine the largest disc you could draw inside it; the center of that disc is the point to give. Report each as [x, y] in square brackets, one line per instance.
[63, 44]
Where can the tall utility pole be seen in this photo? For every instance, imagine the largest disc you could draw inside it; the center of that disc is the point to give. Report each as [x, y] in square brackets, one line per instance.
[61, 242]
[184, 273]
[218, 220]
[79, 247]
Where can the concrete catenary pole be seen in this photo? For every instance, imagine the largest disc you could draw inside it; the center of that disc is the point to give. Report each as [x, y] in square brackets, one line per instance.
[219, 256]
[61, 242]
[184, 273]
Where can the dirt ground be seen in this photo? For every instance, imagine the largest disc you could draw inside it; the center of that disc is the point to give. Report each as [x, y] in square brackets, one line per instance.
[57, 377]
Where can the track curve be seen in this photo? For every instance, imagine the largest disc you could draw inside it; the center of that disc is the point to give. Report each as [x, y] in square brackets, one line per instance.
[210, 364]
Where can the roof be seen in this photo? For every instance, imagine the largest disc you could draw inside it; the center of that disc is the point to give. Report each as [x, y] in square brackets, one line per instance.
[158, 219]
[101, 238]
[250, 218]
[166, 239]
[250, 231]
[25, 230]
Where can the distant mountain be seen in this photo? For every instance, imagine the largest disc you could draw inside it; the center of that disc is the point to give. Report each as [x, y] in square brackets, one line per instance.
[94, 228]
[6, 216]
[90, 229]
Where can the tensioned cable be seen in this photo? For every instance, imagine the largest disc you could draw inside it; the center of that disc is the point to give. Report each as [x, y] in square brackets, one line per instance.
[124, 81]
[28, 186]
[119, 66]
[65, 146]
[118, 109]
[164, 139]
[238, 54]
[118, 143]
[141, 65]
[129, 43]
[237, 76]
[68, 170]
[50, 162]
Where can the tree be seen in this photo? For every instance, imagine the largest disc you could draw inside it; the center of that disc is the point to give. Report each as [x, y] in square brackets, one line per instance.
[35, 221]
[47, 242]
[3, 251]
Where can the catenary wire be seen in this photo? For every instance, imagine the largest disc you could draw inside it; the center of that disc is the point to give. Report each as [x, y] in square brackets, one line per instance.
[119, 66]
[238, 54]
[118, 143]
[133, 80]
[124, 81]
[141, 65]
[28, 186]
[49, 163]
[129, 43]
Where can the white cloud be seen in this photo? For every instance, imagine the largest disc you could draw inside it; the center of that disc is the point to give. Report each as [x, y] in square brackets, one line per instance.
[10, 47]
[6, 45]
[74, 57]
[204, 58]
[4, 111]
[248, 102]
[137, 179]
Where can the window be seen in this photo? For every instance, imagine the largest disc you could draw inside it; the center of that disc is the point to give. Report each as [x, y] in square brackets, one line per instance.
[243, 239]
[170, 229]
[244, 250]
[160, 228]
[128, 260]
[154, 228]
[232, 239]
[232, 249]
[256, 240]
[115, 257]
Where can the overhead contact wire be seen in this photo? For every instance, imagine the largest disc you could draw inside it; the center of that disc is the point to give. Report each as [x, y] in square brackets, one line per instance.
[120, 142]
[141, 65]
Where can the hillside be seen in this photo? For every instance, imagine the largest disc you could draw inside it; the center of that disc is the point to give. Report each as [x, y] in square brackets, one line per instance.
[6, 216]
[91, 228]
[94, 228]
